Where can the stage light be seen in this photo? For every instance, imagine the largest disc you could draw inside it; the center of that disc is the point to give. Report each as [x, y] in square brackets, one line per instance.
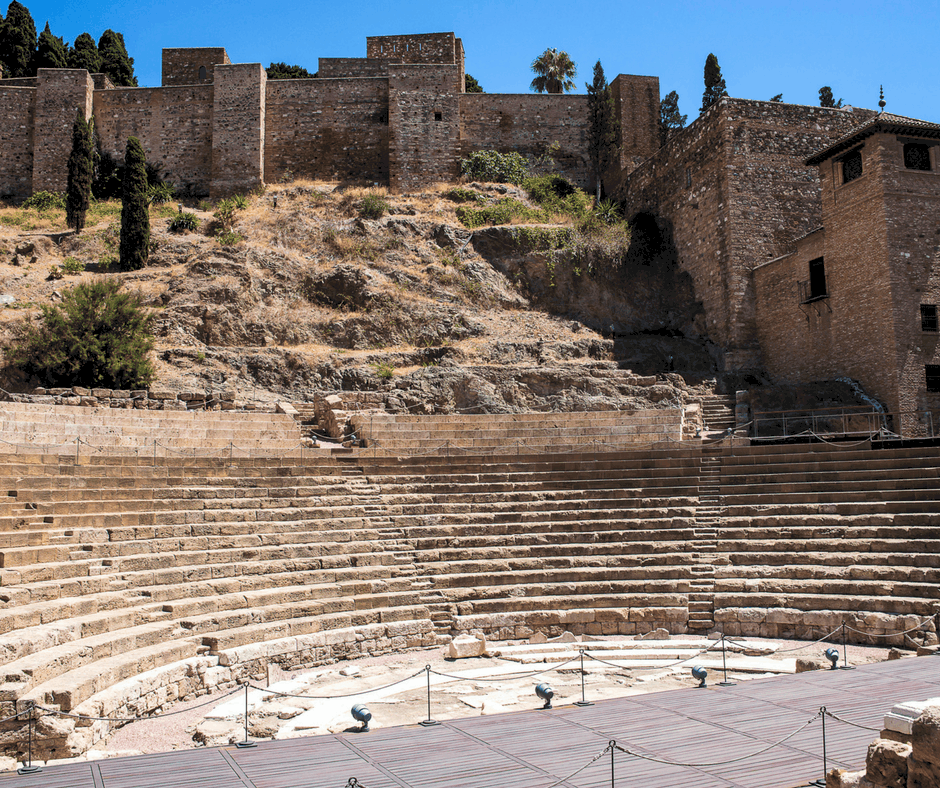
[361, 714]
[546, 693]
[832, 655]
[698, 672]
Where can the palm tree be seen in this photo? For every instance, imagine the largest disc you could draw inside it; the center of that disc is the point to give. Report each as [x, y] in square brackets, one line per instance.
[555, 72]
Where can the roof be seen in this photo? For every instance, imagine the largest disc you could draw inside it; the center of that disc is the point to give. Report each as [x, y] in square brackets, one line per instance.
[883, 123]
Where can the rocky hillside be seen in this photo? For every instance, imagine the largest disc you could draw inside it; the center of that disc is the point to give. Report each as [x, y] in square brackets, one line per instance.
[311, 298]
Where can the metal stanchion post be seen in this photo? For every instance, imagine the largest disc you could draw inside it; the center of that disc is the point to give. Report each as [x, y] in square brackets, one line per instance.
[724, 665]
[429, 721]
[613, 746]
[29, 768]
[583, 701]
[845, 654]
[822, 783]
[243, 744]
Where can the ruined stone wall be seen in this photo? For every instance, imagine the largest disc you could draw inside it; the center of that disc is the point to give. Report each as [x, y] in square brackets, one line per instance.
[335, 67]
[174, 125]
[735, 189]
[238, 128]
[181, 66]
[424, 125]
[425, 48]
[59, 93]
[636, 99]
[17, 106]
[327, 128]
[528, 124]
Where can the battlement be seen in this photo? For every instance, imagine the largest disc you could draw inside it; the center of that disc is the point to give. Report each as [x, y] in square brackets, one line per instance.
[192, 65]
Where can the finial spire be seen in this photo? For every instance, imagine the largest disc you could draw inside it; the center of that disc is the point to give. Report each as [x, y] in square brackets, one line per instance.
[881, 98]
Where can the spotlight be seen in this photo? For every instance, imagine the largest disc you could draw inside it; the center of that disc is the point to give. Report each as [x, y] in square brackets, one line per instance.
[832, 655]
[546, 693]
[361, 714]
[698, 672]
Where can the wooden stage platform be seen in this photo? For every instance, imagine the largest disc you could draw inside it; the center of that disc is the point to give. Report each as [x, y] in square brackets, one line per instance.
[535, 749]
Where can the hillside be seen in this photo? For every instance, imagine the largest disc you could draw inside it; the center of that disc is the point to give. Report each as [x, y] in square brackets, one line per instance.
[315, 299]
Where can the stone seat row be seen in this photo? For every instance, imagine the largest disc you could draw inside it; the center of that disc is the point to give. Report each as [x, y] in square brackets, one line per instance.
[12, 413]
[474, 420]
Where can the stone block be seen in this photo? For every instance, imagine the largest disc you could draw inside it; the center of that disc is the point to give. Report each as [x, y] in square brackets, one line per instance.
[464, 646]
[887, 762]
[925, 737]
[101, 393]
[80, 391]
[922, 774]
[160, 394]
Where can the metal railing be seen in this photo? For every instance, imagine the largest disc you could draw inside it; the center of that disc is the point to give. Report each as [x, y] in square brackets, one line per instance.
[843, 423]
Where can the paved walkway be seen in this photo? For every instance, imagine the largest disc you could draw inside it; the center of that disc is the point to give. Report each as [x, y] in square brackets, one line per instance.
[536, 749]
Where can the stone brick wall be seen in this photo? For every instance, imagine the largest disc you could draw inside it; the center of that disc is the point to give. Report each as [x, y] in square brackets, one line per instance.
[425, 48]
[17, 107]
[59, 93]
[174, 126]
[238, 128]
[332, 67]
[528, 124]
[424, 125]
[735, 190]
[637, 101]
[327, 128]
[181, 66]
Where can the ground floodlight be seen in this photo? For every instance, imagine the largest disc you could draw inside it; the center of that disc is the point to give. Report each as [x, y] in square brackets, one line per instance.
[546, 693]
[698, 672]
[832, 655]
[361, 714]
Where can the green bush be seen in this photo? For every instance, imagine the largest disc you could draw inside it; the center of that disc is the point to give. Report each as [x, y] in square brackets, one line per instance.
[160, 193]
[72, 265]
[54, 272]
[184, 222]
[460, 194]
[96, 337]
[43, 201]
[373, 206]
[225, 213]
[384, 370]
[558, 195]
[496, 167]
[240, 201]
[501, 212]
[228, 238]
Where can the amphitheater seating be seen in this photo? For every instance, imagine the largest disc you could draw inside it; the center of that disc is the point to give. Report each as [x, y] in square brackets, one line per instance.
[507, 432]
[115, 564]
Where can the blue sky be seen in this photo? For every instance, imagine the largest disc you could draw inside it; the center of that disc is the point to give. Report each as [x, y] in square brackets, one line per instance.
[763, 48]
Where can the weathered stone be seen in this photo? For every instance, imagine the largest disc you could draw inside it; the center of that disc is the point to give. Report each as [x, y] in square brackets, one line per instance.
[887, 763]
[656, 634]
[466, 646]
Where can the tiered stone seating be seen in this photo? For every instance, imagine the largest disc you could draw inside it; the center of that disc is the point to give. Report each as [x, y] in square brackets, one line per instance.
[817, 535]
[507, 432]
[31, 427]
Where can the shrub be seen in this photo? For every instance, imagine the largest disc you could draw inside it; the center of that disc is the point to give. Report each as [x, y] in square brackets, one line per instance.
[490, 165]
[384, 370]
[558, 195]
[228, 238]
[160, 193]
[43, 201]
[184, 222]
[501, 212]
[225, 213]
[373, 206]
[240, 201]
[96, 337]
[54, 272]
[460, 194]
[72, 265]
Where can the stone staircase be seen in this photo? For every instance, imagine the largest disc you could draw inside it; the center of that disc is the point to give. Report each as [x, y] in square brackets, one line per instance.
[718, 412]
[705, 546]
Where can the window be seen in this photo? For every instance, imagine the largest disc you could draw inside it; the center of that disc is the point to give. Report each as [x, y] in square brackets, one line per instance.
[916, 156]
[852, 166]
[688, 177]
[933, 377]
[928, 317]
[202, 73]
[439, 116]
[817, 279]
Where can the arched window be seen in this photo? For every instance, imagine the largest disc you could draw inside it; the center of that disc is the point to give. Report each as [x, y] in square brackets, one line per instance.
[202, 73]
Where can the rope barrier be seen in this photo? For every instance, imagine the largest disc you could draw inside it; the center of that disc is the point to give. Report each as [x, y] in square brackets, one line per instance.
[576, 772]
[790, 650]
[335, 697]
[777, 743]
[893, 634]
[508, 676]
[853, 724]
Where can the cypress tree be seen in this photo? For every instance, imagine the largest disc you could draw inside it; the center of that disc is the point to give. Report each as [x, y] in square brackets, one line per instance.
[135, 218]
[115, 61]
[84, 54]
[714, 82]
[51, 51]
[826, 98]
[18, 42]
[78, 195]
[604, 129]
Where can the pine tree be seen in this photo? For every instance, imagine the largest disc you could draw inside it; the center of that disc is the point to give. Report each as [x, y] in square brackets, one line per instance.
[51, 51]
[18, 42]
[84, 54]
[471, 85]
[284, 71]
[777, 99]
[78, 194]
[670, 119]
[135, 217]
[555, 72]
[604, 128]
[715, 86]
[826, 99]
[115, 61]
